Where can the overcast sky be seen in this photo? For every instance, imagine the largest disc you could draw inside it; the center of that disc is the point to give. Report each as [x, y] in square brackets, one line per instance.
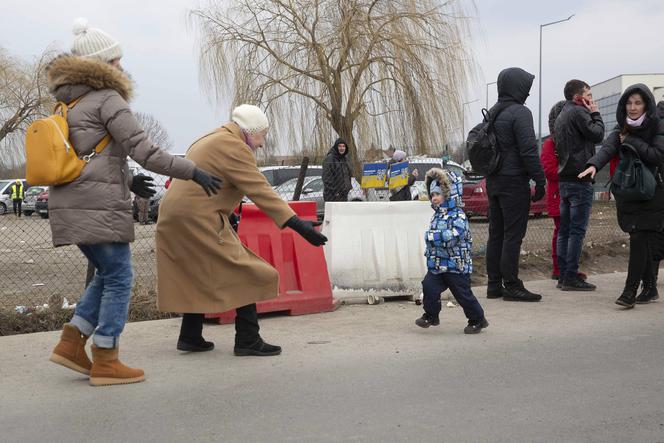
[604, 39]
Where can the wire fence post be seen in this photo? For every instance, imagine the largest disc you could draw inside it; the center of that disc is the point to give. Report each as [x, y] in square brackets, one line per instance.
[300, 179]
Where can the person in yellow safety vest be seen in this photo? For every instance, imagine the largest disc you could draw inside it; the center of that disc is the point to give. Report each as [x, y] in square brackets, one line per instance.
[18, 194]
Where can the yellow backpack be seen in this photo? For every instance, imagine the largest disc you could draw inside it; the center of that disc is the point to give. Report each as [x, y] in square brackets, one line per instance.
[50, 159]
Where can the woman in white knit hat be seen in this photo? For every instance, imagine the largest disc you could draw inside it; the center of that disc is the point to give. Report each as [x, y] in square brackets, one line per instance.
[94, 211]
[202, 266]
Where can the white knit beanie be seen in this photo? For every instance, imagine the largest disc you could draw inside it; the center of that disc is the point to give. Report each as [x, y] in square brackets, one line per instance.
[95, 43]
[250, 119]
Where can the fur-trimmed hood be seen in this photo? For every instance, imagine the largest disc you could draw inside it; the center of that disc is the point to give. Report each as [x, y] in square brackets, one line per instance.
[441, 177]
[451, 186]
[70, 76]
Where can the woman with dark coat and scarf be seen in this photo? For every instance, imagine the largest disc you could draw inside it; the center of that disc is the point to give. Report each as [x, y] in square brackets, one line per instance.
[640, 128]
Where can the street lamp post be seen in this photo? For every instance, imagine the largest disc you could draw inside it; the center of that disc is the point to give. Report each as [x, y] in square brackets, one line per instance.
[487, 93]
[463, 128]
[539, 116]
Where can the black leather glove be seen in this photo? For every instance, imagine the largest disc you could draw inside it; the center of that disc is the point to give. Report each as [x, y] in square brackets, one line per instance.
[210, 183]
[141, 185]
[306, 229]
[539, 193]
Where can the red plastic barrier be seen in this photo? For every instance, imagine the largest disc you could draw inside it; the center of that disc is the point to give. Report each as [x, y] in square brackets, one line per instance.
[304, 283]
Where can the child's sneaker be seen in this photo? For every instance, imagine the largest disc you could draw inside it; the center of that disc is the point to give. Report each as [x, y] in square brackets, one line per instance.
[426, 320]
[476, 328]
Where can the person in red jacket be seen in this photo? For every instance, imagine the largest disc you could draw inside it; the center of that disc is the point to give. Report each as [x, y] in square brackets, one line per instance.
[550, 166]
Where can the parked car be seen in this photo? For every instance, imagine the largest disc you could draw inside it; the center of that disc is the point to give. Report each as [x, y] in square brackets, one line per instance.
[6, 203]
[477, 203]
[278, 175]
[31, 199]
[41, 205]
[312, 190]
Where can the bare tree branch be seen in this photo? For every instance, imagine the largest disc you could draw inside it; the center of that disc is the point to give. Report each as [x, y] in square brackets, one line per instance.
[24, 97]
[155, 131]
[368, 70]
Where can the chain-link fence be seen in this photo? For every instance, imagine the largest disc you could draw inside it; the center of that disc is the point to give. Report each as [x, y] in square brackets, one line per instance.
[32, 271]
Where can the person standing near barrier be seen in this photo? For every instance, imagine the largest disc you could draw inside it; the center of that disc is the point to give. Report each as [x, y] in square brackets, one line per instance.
[94, 211]
[550, 166]
[508, 189]
[202, 266]
[449, 248]
[18, 194]
[402, 193]
[578, 128]
[639, 129]
[336, 173]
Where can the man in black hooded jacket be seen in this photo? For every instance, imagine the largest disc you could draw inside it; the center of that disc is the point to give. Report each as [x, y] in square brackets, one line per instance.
[336, 173]
[508, 188]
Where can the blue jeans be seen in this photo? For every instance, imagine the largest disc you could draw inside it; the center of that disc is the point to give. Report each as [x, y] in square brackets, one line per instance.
[104, 306]
[459, 285]
[576, 200]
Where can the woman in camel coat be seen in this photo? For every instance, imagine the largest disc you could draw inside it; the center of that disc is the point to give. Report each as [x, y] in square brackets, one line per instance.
[202, 265]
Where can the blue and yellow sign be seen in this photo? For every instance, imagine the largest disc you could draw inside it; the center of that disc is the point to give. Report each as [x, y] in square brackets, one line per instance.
[398, 175]
[374, 175]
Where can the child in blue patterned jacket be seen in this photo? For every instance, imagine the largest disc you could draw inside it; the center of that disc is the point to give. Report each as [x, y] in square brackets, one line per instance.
[448, 253]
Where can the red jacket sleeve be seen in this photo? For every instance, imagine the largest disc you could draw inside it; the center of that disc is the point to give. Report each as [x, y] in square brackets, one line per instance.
[549, 160]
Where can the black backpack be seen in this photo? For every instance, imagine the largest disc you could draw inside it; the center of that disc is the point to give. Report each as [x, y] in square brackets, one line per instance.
[482, 144]
[632, 180]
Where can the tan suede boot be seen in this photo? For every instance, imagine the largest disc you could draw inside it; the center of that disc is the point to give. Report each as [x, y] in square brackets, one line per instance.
[108, 370]
[70, 350]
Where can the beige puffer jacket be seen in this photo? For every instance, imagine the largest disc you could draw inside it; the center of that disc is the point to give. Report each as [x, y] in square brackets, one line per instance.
[96, 207]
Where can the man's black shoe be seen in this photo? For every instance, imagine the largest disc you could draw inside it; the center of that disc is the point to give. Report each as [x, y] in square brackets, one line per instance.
[494, 291]
[260, 349]
[628, 296]
[476, 328]
[648, 294]
[426, 320]
[519, 293]
[196, 345]
[576, 284]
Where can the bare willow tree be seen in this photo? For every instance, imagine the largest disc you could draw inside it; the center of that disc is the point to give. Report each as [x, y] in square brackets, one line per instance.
[24, 97]
[382, 71]
[155, 130]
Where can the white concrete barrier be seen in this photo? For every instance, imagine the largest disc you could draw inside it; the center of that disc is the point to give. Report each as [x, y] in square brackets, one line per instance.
[376, 245]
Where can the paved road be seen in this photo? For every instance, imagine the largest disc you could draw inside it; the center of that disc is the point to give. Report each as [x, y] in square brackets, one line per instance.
[572, 368]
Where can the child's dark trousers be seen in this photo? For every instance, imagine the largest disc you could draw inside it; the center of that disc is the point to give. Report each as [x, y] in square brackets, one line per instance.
[459, 284]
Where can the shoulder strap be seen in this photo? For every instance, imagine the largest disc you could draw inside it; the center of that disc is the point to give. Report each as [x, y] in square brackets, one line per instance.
[492, 118]
[64, 108]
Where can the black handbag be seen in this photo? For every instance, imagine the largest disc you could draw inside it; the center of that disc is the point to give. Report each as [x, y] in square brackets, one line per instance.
[633, 180]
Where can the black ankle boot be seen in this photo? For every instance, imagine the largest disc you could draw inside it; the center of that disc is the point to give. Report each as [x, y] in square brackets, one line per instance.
[628, 296]
[494, 290]
[427, 320]
[260, 349]
[198, 344]
[648, 293]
